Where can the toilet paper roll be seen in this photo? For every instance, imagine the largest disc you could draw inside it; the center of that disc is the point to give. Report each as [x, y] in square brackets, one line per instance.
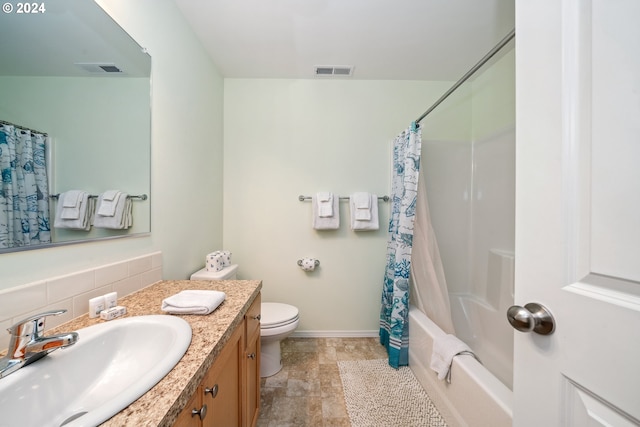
[308, 264]
[226, 258]
[214, 262]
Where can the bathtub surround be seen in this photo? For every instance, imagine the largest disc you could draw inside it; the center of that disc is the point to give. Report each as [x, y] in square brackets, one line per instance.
[468, 164]
[394, 326]
[74, 290]
[469, 167]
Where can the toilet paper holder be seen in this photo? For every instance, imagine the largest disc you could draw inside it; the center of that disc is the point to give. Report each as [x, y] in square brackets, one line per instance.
[315, 262]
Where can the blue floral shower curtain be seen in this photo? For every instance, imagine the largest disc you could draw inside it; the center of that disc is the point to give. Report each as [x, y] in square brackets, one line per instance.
[394, 325]
[24, 193]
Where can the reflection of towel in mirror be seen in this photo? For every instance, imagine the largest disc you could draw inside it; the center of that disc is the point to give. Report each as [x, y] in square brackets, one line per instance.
[193, 302]
[120, 205]
[70, 202]
[108, 202]
[77, 217]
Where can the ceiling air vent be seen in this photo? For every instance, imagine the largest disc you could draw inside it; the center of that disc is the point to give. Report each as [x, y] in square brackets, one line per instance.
[99, 68]
[334, 70]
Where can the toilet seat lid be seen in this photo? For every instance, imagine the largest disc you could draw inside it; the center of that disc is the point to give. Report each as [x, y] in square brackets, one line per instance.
[275, 314]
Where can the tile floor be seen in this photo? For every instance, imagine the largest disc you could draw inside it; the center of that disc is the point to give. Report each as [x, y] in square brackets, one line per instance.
[308, 390]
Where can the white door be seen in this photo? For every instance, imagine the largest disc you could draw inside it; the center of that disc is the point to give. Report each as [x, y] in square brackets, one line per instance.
[578, 211]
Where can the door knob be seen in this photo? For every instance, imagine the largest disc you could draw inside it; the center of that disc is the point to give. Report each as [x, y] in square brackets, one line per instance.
[532, 317]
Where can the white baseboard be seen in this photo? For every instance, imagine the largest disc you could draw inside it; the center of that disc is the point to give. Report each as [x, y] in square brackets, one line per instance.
[335, 334]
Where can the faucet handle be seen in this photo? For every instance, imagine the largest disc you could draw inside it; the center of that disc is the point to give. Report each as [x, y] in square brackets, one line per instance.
[33, 325]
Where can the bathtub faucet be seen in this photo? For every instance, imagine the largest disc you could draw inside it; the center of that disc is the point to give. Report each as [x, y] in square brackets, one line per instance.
[28, 343]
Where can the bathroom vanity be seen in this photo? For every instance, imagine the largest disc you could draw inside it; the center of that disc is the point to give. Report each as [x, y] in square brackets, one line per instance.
[220, 368]
[229, 394]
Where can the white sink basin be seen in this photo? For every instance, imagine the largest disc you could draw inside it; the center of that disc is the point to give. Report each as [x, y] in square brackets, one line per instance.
[111, 365]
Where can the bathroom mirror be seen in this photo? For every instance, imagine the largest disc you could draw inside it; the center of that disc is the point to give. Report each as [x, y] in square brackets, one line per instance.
[68, 70]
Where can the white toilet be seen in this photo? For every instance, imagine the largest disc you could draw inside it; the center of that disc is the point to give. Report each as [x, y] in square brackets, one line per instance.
[277, 322]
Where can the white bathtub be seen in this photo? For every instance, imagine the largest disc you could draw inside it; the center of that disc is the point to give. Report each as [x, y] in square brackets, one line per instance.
[474, 398]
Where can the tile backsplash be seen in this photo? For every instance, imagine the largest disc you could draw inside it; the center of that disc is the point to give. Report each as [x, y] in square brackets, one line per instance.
[73, 291]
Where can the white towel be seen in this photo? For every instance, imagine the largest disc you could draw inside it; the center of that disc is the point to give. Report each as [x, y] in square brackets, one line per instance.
[362, 205]
[325, 223]
[108, 203]
[193, 302]
[121, 218]
[84, 215]
[364, 225]
[445, 348]
[325, 204]
[70, 202]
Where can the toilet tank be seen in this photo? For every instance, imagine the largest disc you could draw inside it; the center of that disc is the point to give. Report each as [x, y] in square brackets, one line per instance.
[227, 273]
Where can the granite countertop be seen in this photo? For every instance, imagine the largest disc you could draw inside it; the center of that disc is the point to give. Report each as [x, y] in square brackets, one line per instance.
[161, 405]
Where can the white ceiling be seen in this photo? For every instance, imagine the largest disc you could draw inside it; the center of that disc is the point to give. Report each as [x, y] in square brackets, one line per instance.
[382, 39]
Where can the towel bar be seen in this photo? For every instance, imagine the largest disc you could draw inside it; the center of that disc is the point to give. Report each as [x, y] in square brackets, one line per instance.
[93, 196]
[303, 198]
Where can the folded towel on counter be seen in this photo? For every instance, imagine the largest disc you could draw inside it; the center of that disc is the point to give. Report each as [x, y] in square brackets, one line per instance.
[85, 210]
[122, 216]
[361, 224]
[325, 222]
[362, 205]
[445, 348]
[193, 302]
[325, 204]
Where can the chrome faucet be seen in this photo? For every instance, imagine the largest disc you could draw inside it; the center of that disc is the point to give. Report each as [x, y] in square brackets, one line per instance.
[29, 344]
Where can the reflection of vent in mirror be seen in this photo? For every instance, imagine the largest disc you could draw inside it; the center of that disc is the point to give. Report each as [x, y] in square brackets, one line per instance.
[99, 68]
[331, 70]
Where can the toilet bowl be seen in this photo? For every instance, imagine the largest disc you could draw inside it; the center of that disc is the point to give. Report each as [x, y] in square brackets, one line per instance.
[277, 321]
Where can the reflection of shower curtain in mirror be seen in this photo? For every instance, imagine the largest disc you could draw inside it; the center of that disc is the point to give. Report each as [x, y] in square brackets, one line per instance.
[24, 193]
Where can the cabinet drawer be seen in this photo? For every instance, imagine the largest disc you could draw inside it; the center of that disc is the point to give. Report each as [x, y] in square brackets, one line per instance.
[253, 318]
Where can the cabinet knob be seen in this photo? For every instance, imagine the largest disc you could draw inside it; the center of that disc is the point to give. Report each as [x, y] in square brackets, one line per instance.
[213, 390]
[258, 317]
[201, 413]
[251, 355]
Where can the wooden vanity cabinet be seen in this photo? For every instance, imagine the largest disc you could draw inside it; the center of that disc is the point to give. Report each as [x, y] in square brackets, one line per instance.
[229, 394]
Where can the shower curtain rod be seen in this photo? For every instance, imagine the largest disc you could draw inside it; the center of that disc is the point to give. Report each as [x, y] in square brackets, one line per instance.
[469, 73]
[3, 122]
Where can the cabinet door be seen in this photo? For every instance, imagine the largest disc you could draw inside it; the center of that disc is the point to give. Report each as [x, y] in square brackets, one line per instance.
[222, 385]
[187, 418]
[252, 399]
